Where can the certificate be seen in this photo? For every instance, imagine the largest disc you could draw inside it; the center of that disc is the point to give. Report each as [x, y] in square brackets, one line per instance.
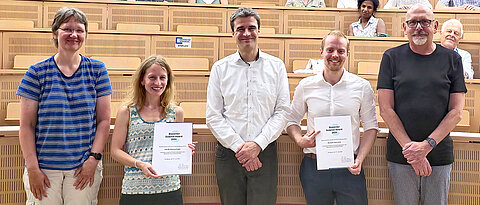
[334, 144]
[171, 154]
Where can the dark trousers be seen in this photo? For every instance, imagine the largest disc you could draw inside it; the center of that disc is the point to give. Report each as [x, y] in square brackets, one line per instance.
[324, 186]
[170, 198]
[237, 186]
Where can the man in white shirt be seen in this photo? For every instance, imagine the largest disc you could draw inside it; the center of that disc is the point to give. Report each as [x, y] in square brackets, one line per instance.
[247, 100]
[452, 32]
[347, 4]
[334, 92]
[406, 4]
[472, 5]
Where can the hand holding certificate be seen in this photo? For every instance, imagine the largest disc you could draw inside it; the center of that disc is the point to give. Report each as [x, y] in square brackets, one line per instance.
[334, 144]
[171, 153]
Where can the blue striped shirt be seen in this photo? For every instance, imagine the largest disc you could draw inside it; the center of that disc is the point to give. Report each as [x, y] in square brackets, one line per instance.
[66, 120]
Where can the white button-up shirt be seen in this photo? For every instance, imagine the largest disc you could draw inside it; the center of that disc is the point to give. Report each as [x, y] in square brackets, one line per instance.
[466, 62]
[247, 101]
[351, 95]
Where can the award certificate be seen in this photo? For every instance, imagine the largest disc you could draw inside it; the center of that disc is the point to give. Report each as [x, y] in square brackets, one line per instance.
[171, 154]
[334, 144]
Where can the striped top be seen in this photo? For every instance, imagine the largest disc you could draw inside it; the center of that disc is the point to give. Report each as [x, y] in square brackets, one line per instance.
[139, 145]
[66, 119]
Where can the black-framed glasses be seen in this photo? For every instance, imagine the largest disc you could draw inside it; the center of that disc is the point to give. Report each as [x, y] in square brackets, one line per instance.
[70, 31]
[424, 23]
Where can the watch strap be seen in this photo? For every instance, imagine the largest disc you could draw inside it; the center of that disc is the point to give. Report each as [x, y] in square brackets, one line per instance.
[97, 156]
[431, 142]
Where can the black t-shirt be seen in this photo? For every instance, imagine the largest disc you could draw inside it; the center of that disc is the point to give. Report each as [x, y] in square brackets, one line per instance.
[422, 85]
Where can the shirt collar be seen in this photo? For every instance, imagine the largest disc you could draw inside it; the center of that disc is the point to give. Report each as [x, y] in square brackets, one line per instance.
[344, 77]
[305, 4]
[237, 57]
[370, 21]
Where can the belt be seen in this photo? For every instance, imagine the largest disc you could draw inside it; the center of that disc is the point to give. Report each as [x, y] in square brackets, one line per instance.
[311, 155]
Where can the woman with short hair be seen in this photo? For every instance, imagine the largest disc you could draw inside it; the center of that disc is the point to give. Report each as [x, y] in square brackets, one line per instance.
[64, 118]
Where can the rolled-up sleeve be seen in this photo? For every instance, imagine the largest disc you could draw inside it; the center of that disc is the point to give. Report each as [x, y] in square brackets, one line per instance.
[368, 115]
[297, 108]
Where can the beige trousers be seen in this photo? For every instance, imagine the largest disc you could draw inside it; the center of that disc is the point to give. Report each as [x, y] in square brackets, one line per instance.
[62, 191]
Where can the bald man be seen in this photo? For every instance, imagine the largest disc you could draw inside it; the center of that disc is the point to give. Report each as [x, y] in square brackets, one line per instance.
[421, 93]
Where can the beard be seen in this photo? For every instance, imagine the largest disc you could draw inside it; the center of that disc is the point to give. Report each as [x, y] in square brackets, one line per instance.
[419, 39]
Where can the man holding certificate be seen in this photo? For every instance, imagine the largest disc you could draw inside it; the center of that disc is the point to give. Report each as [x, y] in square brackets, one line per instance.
[247, 100]
[335, 101]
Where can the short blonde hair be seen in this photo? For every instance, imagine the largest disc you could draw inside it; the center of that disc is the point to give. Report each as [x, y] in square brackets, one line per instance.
[338, 34]
[137, 93]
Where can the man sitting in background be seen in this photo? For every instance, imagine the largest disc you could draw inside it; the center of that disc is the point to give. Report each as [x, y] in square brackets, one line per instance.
[458, 5]
[452, 32]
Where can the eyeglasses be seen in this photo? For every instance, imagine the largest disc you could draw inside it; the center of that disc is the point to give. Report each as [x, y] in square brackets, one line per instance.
[70, 31]
[424, 23]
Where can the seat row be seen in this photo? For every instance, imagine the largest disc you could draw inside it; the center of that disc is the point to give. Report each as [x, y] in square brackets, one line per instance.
[135, 17]
[205, 46]
[191, 88]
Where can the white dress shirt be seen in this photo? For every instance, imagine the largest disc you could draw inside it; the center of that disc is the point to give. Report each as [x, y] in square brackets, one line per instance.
[347, 4]
[351, 95]
[399, 3]
[247, 101]
[466, 62]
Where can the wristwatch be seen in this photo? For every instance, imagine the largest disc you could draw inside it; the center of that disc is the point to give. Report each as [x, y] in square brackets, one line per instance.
[97, 156]
[431, 142]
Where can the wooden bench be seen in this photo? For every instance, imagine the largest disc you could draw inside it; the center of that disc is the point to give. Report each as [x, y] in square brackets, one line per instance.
[368, 68]
[25, 61]
[137, 27]
[307, 31]
[188, 64]
[16, 24]
[299, 64]
[194, 111]
[119, 63]
[13, 111]
[196, 29]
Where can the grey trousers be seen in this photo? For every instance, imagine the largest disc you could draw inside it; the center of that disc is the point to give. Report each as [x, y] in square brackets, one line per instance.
[237, 186]
[410, 189]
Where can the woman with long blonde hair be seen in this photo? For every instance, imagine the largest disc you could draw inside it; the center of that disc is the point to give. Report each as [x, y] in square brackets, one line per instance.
[151, 100]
